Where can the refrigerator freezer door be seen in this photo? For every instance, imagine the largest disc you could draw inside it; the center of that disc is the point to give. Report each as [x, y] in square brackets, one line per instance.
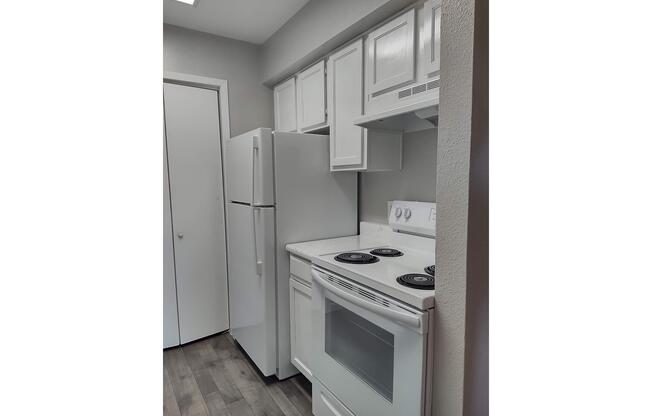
[252, 294]
[249, 164]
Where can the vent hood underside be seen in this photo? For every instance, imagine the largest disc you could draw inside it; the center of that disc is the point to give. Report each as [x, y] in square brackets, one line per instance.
[413, 117]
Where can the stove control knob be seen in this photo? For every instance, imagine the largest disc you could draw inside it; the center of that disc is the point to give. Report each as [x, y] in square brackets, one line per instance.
[407, 213]
[398, 212]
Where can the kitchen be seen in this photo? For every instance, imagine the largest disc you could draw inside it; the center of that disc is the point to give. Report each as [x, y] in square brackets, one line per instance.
[320, 244]
[321, 199]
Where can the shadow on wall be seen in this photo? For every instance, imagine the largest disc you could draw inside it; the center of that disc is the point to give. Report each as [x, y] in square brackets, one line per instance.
[415, 182]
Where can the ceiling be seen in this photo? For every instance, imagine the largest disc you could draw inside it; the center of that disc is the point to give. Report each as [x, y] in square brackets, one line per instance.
[248, 20]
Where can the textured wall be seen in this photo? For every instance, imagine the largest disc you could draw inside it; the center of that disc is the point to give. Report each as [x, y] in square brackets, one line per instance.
[476, 362]
[461, 222]
[238, 62]
[415, 182]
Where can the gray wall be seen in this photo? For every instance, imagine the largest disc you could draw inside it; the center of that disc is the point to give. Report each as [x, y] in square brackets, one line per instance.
[415, 182]
[461, 343]
[320, 26]
[198, 53]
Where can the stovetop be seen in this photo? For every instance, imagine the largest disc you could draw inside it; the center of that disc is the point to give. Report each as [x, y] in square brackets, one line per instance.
[382, 274]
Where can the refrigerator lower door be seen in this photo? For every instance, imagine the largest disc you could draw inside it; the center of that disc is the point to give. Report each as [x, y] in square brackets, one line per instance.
[249, 168]
[252, 283]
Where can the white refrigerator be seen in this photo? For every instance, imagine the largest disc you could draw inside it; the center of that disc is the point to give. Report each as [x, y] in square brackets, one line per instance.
[279, 190]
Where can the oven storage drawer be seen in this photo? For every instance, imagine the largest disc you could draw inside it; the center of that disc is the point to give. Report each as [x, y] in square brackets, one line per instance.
[325, 404]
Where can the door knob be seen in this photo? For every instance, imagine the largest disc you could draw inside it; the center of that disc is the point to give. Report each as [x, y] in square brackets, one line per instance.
[180, 235]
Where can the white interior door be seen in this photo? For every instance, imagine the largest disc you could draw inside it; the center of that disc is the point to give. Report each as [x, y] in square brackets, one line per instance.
[345, 96]
[196, 191]
[170, 313]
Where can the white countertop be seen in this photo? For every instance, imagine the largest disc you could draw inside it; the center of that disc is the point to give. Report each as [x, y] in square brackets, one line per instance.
[310, 250]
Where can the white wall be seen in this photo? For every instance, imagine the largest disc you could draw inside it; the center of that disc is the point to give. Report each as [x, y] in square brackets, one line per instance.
[199, 53]
[415, 182]
[320, 26]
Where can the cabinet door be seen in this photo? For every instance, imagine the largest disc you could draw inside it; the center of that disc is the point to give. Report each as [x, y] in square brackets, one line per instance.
[300, 323]
[311, 97]
[285, 106]
[431, 37]
[390, 54]
[345, 99]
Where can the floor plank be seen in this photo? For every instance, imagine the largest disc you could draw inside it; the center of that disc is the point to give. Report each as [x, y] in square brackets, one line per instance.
[261, 402]
[240, 408]
[296, 397]
[225, 384]
[184, 385]
[170, 406]
[282, 401]
[214, 377]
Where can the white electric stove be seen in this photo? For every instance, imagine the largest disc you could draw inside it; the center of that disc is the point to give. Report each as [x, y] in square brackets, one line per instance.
[372, 316]
[388, 262]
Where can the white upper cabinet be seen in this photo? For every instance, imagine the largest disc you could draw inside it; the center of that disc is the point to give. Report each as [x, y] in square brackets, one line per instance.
[431, 39]
[390, 54]
[398, 73]
[285, 106]
[353, 147]
[311, 98]
[345, 102]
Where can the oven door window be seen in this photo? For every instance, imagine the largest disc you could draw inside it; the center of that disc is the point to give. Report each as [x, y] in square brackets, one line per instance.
[364, 348]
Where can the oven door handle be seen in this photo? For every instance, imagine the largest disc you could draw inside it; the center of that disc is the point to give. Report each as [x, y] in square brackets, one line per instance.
[404, 318]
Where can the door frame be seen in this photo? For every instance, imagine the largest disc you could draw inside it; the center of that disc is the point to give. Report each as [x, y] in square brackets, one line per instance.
[222, 88]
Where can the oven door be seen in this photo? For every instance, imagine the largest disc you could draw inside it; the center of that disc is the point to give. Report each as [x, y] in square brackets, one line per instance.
[369, 349]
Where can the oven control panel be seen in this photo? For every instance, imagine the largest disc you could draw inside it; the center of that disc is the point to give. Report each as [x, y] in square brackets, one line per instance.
[413, 217]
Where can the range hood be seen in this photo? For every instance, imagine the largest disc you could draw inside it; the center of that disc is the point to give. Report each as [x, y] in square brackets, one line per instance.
[412, 117]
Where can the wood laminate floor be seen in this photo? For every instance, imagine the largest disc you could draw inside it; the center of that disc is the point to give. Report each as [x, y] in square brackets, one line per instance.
[214, 377]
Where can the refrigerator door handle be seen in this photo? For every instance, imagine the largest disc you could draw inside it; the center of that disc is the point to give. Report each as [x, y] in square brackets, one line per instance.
[254, 151]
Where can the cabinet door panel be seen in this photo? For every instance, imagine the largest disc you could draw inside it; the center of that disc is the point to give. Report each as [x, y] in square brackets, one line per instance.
[345, 99]
[311, 97]
[300, 324]
[390, 51]
[431, 37]
[285, 106]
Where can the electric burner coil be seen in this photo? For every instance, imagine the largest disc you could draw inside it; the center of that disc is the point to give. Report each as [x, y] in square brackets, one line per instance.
[417, 281]
[356, 258]
[386, 252]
